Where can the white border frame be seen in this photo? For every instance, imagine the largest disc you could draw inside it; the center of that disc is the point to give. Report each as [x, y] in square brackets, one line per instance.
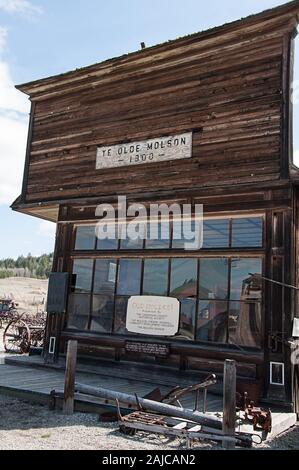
[52, 344]
[271, 379]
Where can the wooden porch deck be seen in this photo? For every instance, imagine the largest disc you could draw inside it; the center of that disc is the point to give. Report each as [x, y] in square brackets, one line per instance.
[28, 378]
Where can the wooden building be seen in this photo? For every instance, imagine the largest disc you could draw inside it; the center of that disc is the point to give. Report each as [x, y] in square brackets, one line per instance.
[229, 88]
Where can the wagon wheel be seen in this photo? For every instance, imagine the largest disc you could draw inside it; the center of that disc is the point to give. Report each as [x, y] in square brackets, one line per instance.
[16, 337]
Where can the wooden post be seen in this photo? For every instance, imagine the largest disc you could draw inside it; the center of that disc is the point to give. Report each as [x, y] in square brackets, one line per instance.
[229, 401]
[69, 381]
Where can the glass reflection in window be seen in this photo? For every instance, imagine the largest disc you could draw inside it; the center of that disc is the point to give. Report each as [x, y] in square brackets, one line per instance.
[247, 232]
[245, 324]
[121, 304]
[129, 277]
[102, 313]
[155, 277]
[244, 286]
[82, 275]
[187, 319]
[85, 237]
[105, 275]
[215, 233]
[212, 321]
[78, 311]
[183, 280]
[213, 278]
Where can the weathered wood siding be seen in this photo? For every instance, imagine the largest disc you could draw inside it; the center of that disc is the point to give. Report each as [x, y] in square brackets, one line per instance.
[227, 87]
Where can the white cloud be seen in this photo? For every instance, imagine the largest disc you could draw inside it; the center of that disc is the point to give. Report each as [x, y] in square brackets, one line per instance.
[19, 6]
[10, 98]
[12, 154]
[47, 229]
[14, 109]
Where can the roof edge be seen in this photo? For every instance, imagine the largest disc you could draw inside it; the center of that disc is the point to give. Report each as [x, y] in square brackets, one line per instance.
[269, 13]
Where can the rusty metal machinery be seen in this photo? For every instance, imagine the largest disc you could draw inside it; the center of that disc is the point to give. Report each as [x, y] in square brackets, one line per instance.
[260, 418]
[24, 331]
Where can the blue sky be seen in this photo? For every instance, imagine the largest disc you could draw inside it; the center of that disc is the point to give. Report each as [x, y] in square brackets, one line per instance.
[39, 38]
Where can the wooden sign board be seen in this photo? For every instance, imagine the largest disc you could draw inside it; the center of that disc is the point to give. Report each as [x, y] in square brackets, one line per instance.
[57, 292]
[162, 149]
[153, 315]
[152, 349]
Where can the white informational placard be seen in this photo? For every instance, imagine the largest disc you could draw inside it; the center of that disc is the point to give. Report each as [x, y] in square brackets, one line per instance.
[151, 315]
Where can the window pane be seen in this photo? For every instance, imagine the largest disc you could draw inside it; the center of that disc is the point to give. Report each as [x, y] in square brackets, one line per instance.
[213, 278]
[107, 244]
[179, 238]
[105, 274]
[85, 238]
[161, 233]
[110, 231]
[132, 243]
[155, 278]
[102, 313]
[129, 277]
[245, 324]
[183, 281]
[187, 319]
[121, 304]
[212, 321]
[243, 285]
[216, 233]
[78, 311]
[82, 275]
[247, 232]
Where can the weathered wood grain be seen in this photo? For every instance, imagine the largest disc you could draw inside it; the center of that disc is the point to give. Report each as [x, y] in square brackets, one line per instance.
[225, 87]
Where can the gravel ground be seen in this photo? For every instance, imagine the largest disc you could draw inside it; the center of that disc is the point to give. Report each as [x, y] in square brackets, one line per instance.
[25, 425]
[29, 426]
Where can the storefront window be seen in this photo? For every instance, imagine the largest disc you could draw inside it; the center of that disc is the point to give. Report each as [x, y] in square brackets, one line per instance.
[247, 232]
[187, 319]
[121, 304]
[136, 242]
[129, 277]
[245, 324]
[244, 286]
[213, 278]
[102, 313]
[212, 321]
[82, 275]
[155, 277]
[107, 244]
[85, 237]
[216, 233]
[78, 311]
[105, 276]
[220, 298]
[183, 280]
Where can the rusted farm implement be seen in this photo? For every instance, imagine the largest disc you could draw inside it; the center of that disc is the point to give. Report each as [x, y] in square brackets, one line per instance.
[24, 331]
[8, 311]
